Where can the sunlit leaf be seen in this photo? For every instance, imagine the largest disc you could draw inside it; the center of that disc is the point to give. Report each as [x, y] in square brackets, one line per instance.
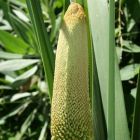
[27, 74]
[7, 55]
[13, 44]
[129, 71]
[43, 135]
[130, 47]
[18, 96]
[17, 64]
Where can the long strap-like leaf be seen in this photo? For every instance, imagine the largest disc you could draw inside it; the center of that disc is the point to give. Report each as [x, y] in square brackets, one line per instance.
[136, 120]
[44, 44]
[111, 74]
[99, 21]
[94, 89]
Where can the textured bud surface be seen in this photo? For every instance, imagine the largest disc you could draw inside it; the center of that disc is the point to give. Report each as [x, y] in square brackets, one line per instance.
[71, 113]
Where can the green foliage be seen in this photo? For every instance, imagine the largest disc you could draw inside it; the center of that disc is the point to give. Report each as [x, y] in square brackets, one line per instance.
[28, 41]
[127, 34]
[24, 98]
[43, 41]
[136, 124]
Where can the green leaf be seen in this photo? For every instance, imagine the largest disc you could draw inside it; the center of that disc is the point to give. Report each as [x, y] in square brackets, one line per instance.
[21, 15]
[100, 37]
[133, 92]
[111, 73]
[6, 55]
[81, 2]
[94, 91]
[27, 74]
[129, 71]
[24, 30]
[134, 8]
[11, 138]
[66, 3]
[19, 96]
[43, 134]
[26, 124]
[99, 23]
[23, 79]
[13, 44]
[13, 65]
[21, 83]
[136, 120]
[97, 107]
[51, 13]
[4, 23]
[4, 7]
[10, 75]
[45, 47]
[130, 47]
[20, 3]
[121, 125]
[56, 27]
[14, 111]
[5, 87]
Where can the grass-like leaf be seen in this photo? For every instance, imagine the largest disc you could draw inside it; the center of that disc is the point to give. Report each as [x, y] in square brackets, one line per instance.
[43, 134]
[136, 120]
[6, 55]
[23, 29]
[25, 125]
[45, 47]
[111, 73]
[27, 74]
[14, 112]
[16, 64]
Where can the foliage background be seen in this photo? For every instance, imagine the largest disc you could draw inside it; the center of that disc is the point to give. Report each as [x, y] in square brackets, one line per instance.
[24, 100]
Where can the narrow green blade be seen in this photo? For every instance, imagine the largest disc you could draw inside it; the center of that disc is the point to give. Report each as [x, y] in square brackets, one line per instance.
[136, 120]
[97, 107]
[111, 73]
[42, 37]
[121, 125]
[26, 125]
[23, 29]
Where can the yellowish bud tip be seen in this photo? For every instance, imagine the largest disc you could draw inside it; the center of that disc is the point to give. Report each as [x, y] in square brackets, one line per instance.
[74, 12]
